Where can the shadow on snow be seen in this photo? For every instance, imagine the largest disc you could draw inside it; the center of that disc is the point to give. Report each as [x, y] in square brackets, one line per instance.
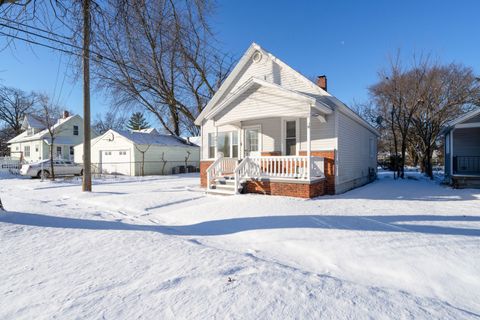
[399, 223]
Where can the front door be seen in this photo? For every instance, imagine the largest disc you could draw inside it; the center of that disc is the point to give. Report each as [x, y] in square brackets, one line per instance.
[252, 141]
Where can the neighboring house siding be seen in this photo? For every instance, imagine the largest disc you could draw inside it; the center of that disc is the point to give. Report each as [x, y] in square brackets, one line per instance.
[447, 154]
[354, 157]
[175, 156]
[473, 120]
[464, 143]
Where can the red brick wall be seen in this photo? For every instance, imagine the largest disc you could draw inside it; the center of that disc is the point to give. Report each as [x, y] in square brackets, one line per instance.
[329, 167]
[203, 172]
[271, 153]
[299, 190]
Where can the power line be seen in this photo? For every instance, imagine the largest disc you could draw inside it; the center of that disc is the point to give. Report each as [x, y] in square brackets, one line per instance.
[36, 28]
[101, 57]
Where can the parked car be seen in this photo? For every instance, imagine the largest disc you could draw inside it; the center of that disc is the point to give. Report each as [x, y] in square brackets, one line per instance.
[61, 168]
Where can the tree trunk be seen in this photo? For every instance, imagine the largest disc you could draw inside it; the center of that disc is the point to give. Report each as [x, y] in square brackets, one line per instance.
[52, 170]
[429, 166]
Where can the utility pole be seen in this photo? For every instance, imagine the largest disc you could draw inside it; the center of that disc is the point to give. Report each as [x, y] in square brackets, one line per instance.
[87, 167]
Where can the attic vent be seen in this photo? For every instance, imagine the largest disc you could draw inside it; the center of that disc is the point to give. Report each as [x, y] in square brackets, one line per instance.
[257, 56]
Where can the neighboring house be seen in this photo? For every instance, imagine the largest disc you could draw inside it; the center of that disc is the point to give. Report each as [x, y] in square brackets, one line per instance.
[273, 131]
[462, 150]
[126, 152]
[34, 143]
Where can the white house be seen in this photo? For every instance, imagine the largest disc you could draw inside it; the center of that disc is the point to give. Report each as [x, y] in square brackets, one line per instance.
[462, 150]
[128, 152]
[34, 143]
[270, 130]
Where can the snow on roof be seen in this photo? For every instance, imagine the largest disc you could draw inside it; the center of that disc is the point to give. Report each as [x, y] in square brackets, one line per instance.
[39, 135]
[464, 117]
[194, 140]
[33, 122]
[156, 138]
[148, 130]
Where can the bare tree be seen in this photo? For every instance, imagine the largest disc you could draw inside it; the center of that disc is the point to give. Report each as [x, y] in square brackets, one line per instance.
[447, 92]
[50, 115]
[14, 105]
[160, 58]
[110, 120]
[142, 151]
[398, 97]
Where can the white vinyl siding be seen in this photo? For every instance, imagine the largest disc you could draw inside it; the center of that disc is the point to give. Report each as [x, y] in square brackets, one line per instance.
[261, 103]
[353, 156]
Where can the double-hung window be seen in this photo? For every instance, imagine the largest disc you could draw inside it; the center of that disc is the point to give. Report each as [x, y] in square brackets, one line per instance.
[226, 143]
[75, 130]
[211, 145]
[291, 138]
[26, 151]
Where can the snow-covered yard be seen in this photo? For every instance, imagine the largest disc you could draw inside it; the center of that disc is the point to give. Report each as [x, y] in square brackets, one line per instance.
[159, 248]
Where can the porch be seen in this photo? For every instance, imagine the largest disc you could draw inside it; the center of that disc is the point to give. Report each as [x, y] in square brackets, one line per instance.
[262, 137]
[465, 155]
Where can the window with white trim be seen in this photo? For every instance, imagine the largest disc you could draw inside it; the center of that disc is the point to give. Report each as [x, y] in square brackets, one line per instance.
[26, 151]
[290, 138]
[211, 145]
[75, 130]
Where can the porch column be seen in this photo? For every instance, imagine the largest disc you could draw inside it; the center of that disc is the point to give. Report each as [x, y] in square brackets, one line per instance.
[309, 146]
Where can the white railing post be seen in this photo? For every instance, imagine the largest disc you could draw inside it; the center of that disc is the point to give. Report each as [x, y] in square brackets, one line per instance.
[309, 146]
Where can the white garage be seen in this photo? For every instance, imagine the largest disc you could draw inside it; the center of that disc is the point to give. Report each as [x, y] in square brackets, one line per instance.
[144, 152]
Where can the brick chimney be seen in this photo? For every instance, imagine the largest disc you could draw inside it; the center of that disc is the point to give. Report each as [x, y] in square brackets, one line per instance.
[66, 114]
[322, 82]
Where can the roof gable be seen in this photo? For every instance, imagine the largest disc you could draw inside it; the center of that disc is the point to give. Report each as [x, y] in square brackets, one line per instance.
[259, 63]
[466, 117]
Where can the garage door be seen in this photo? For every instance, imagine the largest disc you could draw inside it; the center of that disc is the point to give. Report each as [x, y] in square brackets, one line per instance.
[115, 161]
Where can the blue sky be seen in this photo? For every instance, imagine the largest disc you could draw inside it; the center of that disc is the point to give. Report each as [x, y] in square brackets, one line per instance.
[349, 41]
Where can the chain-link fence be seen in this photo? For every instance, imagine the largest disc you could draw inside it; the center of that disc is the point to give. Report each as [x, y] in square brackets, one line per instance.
[144, 168]
[9, 166]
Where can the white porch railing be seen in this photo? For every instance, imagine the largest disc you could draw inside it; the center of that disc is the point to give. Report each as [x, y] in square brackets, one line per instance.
[220, 167]
[295, 167]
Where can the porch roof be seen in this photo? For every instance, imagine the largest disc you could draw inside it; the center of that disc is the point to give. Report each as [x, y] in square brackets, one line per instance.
[264, 99]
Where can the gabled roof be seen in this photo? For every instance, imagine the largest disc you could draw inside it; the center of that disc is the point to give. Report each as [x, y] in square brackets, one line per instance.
[42, 134]
[257, 83]
[321, 96]
[467, 116]
[146, 138]
[32, 121]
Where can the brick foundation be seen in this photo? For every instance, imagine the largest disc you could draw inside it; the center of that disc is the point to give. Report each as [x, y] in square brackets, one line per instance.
[280, 188]
[329, 168]
[203, 172]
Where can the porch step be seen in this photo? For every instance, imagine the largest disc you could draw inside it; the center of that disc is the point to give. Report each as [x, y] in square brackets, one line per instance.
[224, 185]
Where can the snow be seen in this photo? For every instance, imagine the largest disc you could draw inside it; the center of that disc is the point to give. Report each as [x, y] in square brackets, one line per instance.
[158, 247]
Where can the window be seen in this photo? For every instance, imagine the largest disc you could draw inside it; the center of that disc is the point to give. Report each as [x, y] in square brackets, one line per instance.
[36, 148]
[123, 153]
[211, 145]
[372, 148]
[75, 130]
[59, 151]
[108, 153]
[72, 151]
[290, 138]
[26, 151]
[223, 143]
[226, 143]
[234, 144]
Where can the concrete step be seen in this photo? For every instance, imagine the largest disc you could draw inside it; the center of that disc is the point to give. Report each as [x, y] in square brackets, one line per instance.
[220, 192]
